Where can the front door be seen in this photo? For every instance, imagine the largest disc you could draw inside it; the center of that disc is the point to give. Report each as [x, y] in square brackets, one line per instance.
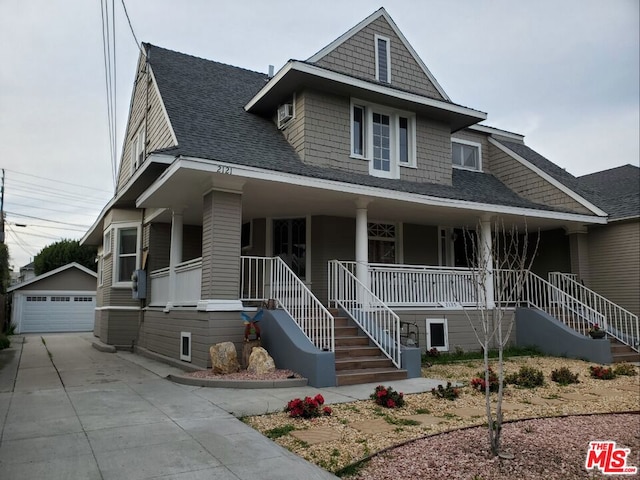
[290, 243]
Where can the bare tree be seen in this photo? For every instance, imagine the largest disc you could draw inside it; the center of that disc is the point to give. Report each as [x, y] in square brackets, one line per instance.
[500, 259]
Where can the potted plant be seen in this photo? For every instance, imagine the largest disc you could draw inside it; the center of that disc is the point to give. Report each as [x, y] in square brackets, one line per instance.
[596, 332]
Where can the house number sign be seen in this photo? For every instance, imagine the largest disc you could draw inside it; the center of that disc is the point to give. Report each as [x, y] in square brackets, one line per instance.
[224, 170]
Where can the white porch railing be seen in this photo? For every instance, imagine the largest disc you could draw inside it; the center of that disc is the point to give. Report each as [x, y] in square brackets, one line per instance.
[265, 278]
[621, 323]
[420, 285]
[188, 283]
[371, 314]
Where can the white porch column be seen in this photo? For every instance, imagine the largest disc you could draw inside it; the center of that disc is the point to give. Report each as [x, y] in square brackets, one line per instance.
[486, 260]
[175, 255]
[362, 241]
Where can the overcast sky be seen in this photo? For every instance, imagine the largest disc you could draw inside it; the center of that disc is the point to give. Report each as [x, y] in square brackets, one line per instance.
[562, 72]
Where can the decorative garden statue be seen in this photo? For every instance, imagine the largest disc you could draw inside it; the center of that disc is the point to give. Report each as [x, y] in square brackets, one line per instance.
[251, 323]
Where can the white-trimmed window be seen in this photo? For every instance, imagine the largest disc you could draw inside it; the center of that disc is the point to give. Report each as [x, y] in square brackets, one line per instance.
[466, 154]
[185, 346]
[383, 59]
[106, 242]
[126, 255]
[100, 270]
[381, 242]
[437, 334]
[137, 149]
[384, 136]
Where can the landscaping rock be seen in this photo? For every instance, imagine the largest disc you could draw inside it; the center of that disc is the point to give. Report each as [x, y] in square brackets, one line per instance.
[247, 348]
[260, 361]
[224, 358]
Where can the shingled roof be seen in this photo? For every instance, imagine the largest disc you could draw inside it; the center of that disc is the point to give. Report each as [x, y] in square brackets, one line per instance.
[616, 191]
[205, 103]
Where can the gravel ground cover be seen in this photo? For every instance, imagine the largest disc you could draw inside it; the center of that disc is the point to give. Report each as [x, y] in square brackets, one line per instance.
[244, 375]
[590, 396]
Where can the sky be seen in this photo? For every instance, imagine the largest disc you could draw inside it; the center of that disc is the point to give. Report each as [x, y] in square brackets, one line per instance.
[564, 73]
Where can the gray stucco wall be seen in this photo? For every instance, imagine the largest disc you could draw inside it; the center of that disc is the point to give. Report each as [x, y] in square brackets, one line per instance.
[555, 338]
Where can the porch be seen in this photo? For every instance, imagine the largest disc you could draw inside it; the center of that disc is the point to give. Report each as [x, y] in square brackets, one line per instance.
[390, 293]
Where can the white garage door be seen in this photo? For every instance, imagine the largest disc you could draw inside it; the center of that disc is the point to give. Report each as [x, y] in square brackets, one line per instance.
[59, 312]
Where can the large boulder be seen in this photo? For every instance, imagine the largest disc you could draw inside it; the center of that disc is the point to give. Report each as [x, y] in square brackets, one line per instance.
[224, 358]
[260, 362]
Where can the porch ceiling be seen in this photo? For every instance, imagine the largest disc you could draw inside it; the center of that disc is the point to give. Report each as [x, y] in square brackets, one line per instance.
[184, 189]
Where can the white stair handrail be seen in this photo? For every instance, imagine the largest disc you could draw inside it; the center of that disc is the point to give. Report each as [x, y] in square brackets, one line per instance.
[377, 320]
[621, 323]
[271, 278]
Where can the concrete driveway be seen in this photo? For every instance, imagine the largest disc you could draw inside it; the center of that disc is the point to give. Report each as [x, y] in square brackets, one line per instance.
[69, 411]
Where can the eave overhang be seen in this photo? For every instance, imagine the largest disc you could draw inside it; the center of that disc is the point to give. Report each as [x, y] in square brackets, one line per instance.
[296, 75]
[151, 169]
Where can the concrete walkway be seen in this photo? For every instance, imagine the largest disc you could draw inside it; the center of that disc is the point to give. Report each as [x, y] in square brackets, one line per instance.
[68, 411]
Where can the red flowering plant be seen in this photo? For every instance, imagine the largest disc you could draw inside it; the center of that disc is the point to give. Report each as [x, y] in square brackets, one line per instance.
[387, 397]
[307, 408]
[480, 384]
[602, 373]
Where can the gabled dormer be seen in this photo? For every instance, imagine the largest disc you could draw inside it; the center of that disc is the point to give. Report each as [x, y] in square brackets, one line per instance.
[367, 104]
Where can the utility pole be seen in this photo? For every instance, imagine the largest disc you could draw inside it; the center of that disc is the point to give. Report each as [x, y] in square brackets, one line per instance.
[2, 209]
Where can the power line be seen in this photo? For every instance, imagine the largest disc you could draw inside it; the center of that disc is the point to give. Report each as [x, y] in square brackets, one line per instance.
[35, 225]
[55, 196]
[56, 210]
[57, 181]
[131, 27]
[17, 242]
[47, 220]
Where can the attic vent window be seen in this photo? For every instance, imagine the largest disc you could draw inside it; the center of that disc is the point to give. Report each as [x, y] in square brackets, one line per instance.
[383, 59]
[285, 113]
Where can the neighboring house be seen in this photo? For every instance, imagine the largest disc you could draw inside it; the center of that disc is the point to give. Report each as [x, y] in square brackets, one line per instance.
[62, 300]
[235, 187]
[27, 272]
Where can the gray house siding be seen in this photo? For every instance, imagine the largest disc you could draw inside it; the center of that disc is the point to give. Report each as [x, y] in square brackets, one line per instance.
[145, 102]
[221, 232]
[614, 263]
[327, 140]
[461, 334]
[160, 332]
[356, 57]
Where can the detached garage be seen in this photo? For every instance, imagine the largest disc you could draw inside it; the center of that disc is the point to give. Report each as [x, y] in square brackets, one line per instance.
[62, 300]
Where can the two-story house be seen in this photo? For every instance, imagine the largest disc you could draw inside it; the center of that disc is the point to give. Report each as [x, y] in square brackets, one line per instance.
[347, 176]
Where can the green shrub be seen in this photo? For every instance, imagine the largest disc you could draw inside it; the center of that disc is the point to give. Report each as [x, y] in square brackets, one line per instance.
[602, 373]
[387, 397]
[527, 377]
[564, 376]
[448, 392]
[4, 341]
[625, 369]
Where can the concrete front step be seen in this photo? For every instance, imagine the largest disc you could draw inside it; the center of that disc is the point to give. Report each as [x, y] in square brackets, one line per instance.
[358, 363]
[369, 375]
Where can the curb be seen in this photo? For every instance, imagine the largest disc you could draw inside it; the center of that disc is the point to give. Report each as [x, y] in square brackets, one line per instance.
[103, 347]
[215, 383]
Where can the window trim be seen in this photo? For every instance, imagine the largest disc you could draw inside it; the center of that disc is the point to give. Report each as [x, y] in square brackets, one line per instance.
[186, 357]
[428, 323]
[394, 123]
[471, 144]
[106, 244]
[138, 147]
[115, 283]
[387, 41]
[100, 270]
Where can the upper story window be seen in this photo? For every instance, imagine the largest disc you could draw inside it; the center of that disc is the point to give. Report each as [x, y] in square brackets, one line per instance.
[383, 59]
[466, 154]
[137, 149]
[384, 136]
[106, 242]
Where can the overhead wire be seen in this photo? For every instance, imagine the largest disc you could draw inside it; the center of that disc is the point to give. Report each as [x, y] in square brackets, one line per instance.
[56, 180]
[47, 220]
[131, 28]
[18, 242]
[106, 50]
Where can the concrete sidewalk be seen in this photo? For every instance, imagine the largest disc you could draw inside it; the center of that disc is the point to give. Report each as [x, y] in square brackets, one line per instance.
[69, 411]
